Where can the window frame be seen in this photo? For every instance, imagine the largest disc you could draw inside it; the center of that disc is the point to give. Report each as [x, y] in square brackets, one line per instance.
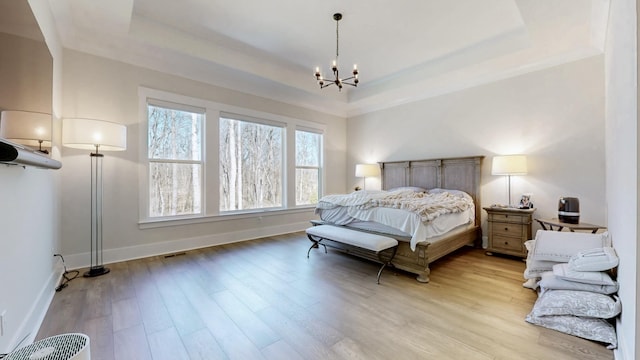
[320, 166]
[283, 151]
[210, 145]
[201, 162]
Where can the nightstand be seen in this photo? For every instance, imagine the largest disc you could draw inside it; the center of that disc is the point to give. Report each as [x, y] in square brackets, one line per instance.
[509, 228]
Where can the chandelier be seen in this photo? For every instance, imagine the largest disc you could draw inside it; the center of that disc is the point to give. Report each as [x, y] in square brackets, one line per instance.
[336, 80]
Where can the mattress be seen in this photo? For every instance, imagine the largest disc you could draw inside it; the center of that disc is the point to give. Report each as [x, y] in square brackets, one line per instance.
[398, 222]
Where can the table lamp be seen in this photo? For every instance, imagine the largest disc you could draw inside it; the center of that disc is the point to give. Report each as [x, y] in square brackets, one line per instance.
[509, 165]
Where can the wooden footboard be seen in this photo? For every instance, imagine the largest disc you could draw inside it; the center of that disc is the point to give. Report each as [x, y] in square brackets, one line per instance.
[417, 262]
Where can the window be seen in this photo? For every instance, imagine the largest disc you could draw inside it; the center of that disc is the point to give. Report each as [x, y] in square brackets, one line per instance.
[175, 161]
[251, 167]
[308, 160]
[206, 161]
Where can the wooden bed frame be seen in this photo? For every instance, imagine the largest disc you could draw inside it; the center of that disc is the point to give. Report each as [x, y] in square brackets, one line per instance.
[451, 173]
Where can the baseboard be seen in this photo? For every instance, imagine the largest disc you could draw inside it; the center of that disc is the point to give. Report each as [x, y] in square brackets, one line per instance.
[29, 328]
[623, 351]
[77, 261]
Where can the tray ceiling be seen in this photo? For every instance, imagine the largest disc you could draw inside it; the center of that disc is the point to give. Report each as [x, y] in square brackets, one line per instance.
[406, 50]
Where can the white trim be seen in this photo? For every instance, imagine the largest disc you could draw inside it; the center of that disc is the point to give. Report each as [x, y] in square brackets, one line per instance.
[176, 106]
[196, 219]
[28, 330]
[81, 260]
[145, 92]
[622, 351]
[251, 119]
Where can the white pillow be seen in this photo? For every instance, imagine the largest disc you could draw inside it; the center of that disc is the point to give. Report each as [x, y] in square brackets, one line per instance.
[588, 277]
[409, 188]
[531, 283]
[535, 268]
[584, 327]
[561, 246]
[598, 259]
[551, 282]
[459, 193]
[576, 303]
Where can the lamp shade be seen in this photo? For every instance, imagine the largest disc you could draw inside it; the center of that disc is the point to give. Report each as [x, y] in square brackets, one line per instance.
[26, 128]
[509, 165]
[366, 170]
[89, 133]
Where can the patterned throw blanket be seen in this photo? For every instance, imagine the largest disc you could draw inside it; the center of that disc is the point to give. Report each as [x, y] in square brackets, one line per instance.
[427, 206]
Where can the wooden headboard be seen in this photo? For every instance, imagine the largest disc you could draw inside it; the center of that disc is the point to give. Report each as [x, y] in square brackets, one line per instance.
[451, 173]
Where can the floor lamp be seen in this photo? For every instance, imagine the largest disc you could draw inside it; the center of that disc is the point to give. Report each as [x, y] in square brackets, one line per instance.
[95, 135]
[26, 128]
[366, 170]
[509, 165]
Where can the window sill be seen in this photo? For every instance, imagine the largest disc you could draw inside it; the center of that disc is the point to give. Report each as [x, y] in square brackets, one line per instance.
[188, 220]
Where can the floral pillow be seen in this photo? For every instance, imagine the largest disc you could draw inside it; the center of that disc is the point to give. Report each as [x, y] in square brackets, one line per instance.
[577, 303]
[584, 327]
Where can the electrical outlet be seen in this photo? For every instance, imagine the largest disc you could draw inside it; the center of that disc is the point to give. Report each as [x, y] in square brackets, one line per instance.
[2, 316]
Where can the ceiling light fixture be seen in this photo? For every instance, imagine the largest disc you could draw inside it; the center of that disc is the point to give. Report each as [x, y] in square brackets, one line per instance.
[334, 67]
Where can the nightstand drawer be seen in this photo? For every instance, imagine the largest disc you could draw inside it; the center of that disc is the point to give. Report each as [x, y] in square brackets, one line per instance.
[507, 243]
[507, 229]
[511, 218]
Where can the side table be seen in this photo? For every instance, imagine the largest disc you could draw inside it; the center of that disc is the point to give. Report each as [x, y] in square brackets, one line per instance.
[549, 224]
[509, 228]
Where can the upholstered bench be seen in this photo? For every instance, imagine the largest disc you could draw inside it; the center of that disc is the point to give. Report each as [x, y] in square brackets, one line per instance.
[371, 246]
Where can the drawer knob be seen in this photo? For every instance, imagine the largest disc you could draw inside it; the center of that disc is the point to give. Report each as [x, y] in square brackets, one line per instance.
[506, 243]
[506, 229]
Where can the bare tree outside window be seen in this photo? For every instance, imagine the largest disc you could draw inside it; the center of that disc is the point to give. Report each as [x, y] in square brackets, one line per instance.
[308, 150]
[175, 161]
[252, 154]
[251, 165]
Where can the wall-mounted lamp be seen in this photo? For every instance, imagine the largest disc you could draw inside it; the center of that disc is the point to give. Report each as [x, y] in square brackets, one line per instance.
[509, 165]
[367, 170]
[26, 128]
[95, 135]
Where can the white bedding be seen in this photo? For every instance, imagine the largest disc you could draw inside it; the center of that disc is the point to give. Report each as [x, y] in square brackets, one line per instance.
[403, 220]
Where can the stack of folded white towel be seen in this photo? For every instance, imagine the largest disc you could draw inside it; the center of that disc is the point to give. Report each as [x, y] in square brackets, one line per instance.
[576, 292]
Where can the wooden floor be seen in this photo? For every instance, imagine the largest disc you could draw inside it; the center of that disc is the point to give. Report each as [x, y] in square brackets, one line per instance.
[264, 299]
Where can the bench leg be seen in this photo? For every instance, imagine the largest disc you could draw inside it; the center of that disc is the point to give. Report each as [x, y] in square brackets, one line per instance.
[380, 272]
[385, 263]
[315, 244]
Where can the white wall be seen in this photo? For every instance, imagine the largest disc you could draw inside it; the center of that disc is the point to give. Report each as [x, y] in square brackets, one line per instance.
[622, 164]
[554, 116]
[95, 87]
[29, 205]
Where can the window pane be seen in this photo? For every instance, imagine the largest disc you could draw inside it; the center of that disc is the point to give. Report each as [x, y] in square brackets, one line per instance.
[174, 189]
[250, 165]
[174, 134]
[307, 186]
[307, 148]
